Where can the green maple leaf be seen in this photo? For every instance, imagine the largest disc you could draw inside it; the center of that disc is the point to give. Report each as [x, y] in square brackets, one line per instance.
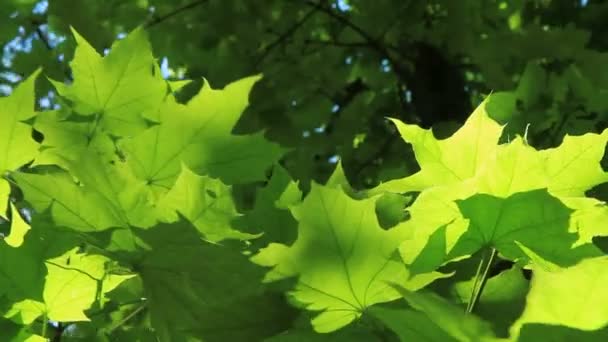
[47, 276]
[342, 258]
[68, 136]
[198, 135]
[72, 284]
[513, 168]
[5, 192]
[502, 299]
[574, 166]
[557, 333]
[270, 215]
[535, 219]
[116, 89]
[572, 297]
[516, 167]
[347, 334]
[106, 195]
[410, 325]
[19, 227]
[436, 225]
[74, 281]
[197, 288]
[17, 147]
[12, 332]
[22, 277]
[206, 202]
[440, 315]
[451, 160]
[567, 170]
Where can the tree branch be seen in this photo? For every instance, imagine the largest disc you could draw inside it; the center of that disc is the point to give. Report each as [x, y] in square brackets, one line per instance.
[337, 43]
[283, 37]
[379, 46]
[158, 20]
[43, 38]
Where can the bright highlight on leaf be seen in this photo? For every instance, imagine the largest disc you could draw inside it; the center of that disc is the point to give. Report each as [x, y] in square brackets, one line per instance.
[581, 304]
[452, 160]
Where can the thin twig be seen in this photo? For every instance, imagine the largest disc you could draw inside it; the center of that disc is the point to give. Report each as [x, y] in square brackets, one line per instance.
[337, 43]
[348, 23]
[283, 37]
[379, 46]
[43, 38]
[158, 20]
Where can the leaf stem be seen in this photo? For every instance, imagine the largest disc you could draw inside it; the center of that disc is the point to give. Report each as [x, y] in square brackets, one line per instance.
[45, 323]
[481, 278]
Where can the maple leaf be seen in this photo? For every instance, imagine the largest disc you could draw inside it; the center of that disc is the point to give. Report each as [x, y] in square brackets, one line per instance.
[581, 303]
[17, 147]
[535, 218]
[116, 89]
[106, 195]
[12, 332]
[342, 258]
[68, 136]
[440, 318]
[74, 281]
[47, 276]
[196, 287]
[198, 135]
[270, 215]
[206, 202]
[451, 160]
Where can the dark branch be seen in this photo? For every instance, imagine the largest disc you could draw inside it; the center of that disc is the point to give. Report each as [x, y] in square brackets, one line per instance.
[378, 45]
[37, 23]
[43, 38]
[337, 43]
[283, 37]
[158, 20]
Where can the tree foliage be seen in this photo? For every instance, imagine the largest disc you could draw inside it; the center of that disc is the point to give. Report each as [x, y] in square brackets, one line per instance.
[306, 170]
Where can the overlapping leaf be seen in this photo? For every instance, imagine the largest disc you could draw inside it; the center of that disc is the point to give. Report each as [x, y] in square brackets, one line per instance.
[198, 288]
[17, 147]
[118, 88]
[579, 288]
[105, 196]
[448, 161]
[507, 170]
[206, 202]
[270, 215]
[342, 257]
[436, 320]
[47, 276]
[198, 135]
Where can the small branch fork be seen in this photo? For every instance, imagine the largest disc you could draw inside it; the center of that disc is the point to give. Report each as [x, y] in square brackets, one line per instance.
[283, 37]
[157, 20]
